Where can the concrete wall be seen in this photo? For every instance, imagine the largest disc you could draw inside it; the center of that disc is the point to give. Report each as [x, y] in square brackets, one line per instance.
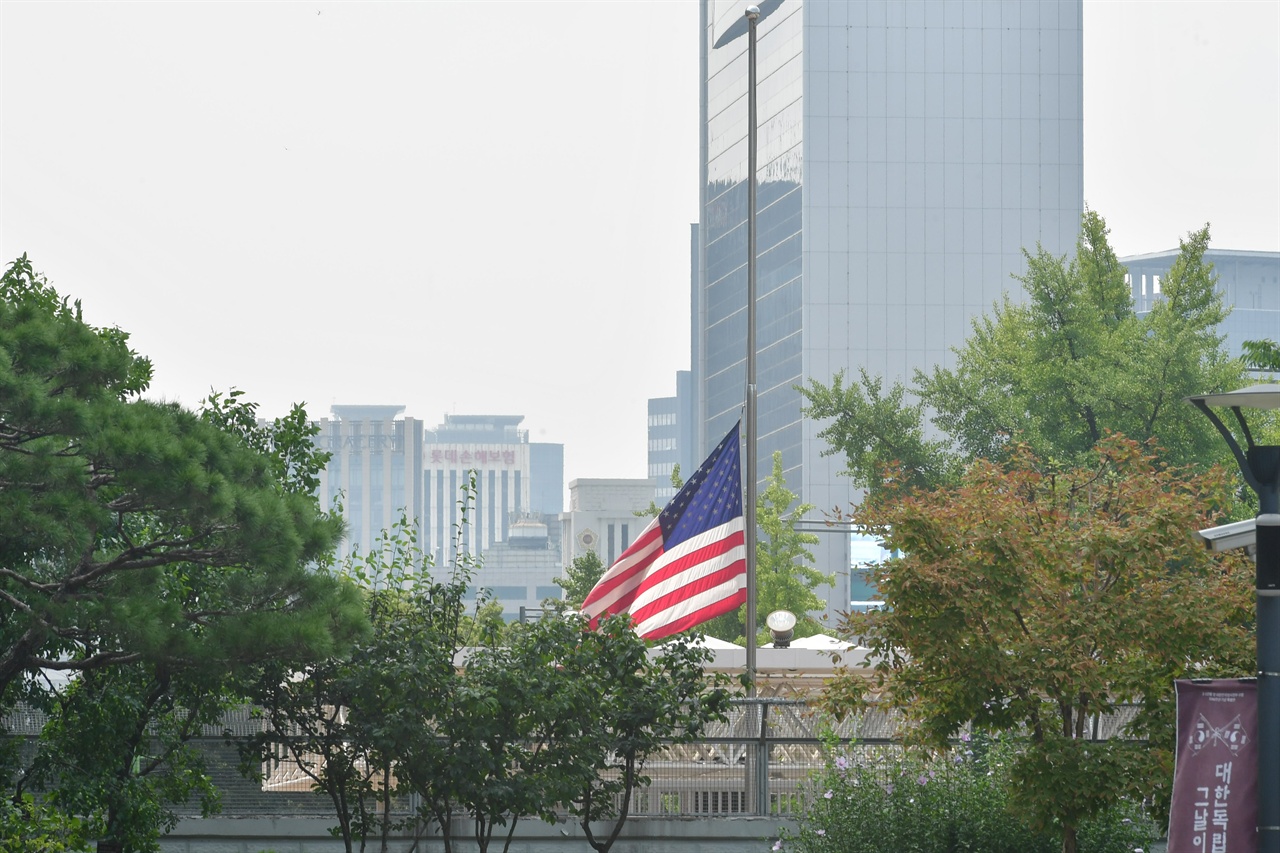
[639, 835]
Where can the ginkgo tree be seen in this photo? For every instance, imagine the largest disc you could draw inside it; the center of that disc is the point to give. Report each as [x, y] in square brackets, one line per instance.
[1056, 370]
[785, 575]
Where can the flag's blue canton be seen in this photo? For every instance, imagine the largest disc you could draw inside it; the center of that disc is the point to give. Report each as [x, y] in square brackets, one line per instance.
[711, 497]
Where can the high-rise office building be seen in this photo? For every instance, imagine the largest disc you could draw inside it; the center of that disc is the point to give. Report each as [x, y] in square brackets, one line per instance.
[1248, 281]
[514, 480]
[670, 432]
[908, 151]
[673, 426]
[374, 471]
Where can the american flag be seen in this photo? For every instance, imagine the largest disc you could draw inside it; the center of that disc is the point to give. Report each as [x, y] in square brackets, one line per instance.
[689, 565]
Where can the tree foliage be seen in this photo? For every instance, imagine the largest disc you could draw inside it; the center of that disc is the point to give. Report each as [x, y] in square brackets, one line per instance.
[153, 553]
[115, 752]
[554, 715]
[1046, 565]
[785, 576]
[638, 700]
[133, 530]
[1056, 372]
[1262, 355]
[1031, 596]
[362, 724]
[580, 577]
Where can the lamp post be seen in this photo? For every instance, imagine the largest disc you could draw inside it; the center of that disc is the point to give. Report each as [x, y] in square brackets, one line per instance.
[752, 15]
[1260, 465]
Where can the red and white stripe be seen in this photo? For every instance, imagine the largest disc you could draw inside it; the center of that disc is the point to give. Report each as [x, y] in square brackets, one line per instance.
[667, 592]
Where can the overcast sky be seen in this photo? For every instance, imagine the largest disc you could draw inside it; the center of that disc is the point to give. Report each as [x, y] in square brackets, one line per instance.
[483, 207]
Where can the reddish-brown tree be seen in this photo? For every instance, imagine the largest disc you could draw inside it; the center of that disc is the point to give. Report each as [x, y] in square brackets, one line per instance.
[1030, 597]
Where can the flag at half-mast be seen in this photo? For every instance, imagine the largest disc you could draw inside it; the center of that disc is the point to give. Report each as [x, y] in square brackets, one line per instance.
[690, 564]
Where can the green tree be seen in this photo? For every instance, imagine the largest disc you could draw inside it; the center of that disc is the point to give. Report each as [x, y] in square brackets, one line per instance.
[785, 576]
[115, 752]
[510, 732]
[560, 715]
[152, 552]
[580, 577]
[31, 826]
[1046, 385]
[110, 499]
[1057, 372]
[1262, 355]
[363, 725]
[639, 701]
[1030, 596]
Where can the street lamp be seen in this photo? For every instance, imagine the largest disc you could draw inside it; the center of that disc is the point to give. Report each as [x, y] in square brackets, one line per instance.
[1260, 465]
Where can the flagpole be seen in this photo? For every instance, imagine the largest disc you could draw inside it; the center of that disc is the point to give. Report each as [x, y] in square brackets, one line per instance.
[750, 467]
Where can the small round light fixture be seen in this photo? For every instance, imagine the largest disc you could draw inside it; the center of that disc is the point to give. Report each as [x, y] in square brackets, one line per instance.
[782, 625]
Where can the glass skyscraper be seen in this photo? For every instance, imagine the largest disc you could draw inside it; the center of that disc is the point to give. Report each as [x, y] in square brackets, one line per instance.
[908, 151]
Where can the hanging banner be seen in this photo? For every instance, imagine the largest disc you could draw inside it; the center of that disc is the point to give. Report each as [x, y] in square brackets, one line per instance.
[1215, 771]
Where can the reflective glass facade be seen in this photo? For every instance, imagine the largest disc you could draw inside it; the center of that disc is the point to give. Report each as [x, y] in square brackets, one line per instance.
[907, 151]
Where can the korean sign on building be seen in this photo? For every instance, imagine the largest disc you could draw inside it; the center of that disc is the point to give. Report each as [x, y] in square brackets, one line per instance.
[470, 456]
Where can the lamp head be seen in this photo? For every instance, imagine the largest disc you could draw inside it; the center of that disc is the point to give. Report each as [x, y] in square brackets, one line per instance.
[781, 625]
[1265, 395]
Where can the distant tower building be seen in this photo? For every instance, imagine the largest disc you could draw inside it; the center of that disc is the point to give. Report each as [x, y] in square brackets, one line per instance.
[673, 424]
[374, 473]
[602, 517]
[1248, 281]
[671, 439]
[514, 480]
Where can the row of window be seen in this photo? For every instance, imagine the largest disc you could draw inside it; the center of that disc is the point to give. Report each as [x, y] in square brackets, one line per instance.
[515, 593]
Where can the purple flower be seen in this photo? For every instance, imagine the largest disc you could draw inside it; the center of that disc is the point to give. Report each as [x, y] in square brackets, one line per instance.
[828, 795]
[777, 845]
[822, 832]
[922, 779]
[964, 737]
[842, 763]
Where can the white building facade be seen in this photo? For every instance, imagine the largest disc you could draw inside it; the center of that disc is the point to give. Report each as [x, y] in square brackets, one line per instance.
[1249, 282]
[374, 472]
[602, 517]
[484, 468]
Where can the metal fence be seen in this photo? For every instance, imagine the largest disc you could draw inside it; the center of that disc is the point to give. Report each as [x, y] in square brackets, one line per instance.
[757, 762]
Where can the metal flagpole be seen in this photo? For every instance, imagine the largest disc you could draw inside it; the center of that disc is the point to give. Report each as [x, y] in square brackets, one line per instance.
[750, 466]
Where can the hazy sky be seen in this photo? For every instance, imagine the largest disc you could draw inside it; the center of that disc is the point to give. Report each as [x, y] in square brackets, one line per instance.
[483, 207]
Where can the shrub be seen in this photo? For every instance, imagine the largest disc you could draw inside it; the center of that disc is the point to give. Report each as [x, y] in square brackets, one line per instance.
[865, 802]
